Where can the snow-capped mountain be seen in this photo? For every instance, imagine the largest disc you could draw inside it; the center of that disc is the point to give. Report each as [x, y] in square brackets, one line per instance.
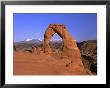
[29, 41]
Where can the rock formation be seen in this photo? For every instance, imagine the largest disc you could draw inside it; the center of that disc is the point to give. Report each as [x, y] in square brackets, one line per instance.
[33, 49]
[69, 42]
[70, 48]
[14, 47]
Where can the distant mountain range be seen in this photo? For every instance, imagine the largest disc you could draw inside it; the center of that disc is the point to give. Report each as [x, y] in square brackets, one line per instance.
[83, 46]
[29, 41]
[34, 41]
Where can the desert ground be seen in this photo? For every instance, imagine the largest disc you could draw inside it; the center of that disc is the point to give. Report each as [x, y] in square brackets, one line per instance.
[39, 63]
[26, 63]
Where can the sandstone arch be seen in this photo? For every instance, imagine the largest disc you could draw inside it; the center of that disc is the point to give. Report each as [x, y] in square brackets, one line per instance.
[70, 47]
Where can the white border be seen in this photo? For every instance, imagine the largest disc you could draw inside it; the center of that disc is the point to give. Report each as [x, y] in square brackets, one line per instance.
[101, 39]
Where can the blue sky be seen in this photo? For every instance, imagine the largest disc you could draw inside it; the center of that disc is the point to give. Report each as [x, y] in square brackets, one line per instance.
[82, 26]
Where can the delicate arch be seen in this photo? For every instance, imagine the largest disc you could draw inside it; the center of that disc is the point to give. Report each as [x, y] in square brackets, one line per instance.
[70, 46]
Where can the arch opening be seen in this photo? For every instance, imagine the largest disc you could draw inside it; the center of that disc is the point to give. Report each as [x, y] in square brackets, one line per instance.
[56, 43]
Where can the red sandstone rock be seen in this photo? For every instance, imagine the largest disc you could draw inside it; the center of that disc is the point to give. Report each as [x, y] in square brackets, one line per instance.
[70, 48]
[14, 47]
